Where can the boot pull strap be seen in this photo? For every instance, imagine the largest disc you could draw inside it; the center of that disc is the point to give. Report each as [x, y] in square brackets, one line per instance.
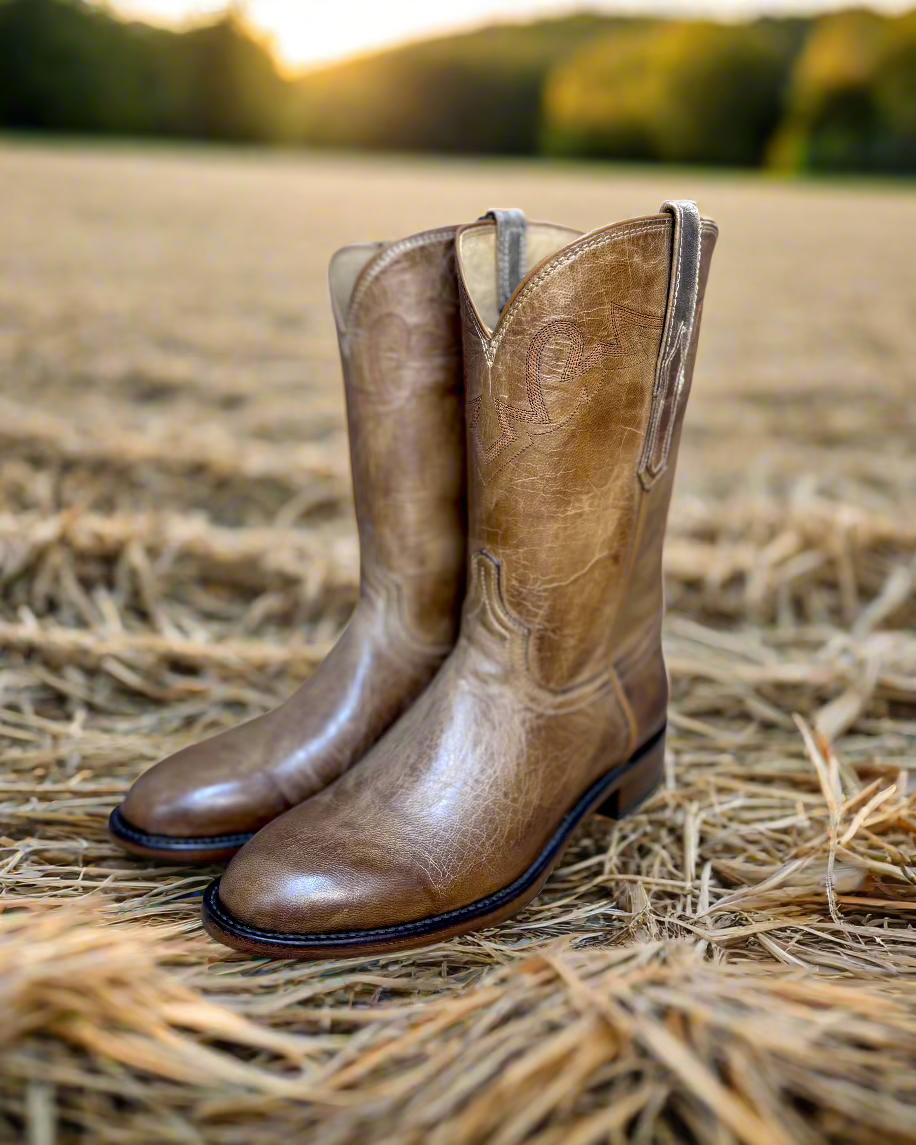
[511, 235]
[680, 314]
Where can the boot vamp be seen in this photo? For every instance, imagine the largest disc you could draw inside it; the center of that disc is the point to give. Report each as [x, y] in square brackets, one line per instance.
[454, 803]
[241, 779]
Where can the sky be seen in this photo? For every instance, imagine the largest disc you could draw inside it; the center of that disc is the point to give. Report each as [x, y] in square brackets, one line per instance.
[307, 33]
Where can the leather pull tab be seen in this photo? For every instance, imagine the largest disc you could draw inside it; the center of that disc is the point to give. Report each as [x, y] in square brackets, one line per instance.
[511, 237]
[680, 314]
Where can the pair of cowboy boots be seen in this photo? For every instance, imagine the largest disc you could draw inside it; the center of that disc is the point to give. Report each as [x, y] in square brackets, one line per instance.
[515, 395]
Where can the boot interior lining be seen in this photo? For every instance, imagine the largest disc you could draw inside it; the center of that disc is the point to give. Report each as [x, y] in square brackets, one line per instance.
[477, 256]
[346, 267]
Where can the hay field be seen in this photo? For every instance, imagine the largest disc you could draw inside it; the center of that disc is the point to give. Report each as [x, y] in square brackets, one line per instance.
[735, 964]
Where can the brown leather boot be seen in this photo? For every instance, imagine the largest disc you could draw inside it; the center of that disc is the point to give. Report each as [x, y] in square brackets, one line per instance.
[399, 327]
[552, 705]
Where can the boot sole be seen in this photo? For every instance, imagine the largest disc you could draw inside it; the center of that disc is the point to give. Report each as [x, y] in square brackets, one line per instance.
[172, 849]
[615, 795]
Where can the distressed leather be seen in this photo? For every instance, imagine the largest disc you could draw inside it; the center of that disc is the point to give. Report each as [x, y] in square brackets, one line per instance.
[400, 341]
[558, 674]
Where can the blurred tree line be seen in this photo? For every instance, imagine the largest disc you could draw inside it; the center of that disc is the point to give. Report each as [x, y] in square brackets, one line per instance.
[68, 66]
[833, 93]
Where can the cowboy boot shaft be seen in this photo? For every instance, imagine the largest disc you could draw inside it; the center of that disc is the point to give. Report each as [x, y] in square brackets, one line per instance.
[560, 397]
[400, 345]
[563, 393]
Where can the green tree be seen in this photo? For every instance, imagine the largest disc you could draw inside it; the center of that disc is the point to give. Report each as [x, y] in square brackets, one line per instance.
[686, 93]
[852, 103]
[234, 90]
[832, 120]
[60, 66]
[69, 66]
[595, 104]
[895, 96]
[720, 94]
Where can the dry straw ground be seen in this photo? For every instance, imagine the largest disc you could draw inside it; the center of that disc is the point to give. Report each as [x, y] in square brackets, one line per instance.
[735, 964]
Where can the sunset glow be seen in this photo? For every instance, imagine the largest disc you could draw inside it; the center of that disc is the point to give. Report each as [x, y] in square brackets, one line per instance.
[310, 32]
[306, 33]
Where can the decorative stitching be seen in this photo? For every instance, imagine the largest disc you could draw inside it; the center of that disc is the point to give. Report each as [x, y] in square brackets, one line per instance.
[394, 326]
[391, 345]
[537, 416]
[486, 592]
[490, 342]
[389, 255]
[575, 251]
[394, 593]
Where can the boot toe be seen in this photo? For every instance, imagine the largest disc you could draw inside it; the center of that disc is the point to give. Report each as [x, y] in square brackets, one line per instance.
[182, 797]
[312, 889]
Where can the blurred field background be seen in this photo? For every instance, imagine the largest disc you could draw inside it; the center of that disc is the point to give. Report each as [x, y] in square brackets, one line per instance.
[737, 963]
[734, 964]
[834, 92]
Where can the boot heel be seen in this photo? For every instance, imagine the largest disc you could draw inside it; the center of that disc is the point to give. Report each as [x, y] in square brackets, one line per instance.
[638, 783]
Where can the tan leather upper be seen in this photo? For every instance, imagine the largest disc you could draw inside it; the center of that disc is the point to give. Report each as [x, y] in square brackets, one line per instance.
[398, 324]
[558, 673]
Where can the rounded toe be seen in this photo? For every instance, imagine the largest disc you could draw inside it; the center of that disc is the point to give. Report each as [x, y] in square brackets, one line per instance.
[184, 798]
[307, 888]
[264, 894]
